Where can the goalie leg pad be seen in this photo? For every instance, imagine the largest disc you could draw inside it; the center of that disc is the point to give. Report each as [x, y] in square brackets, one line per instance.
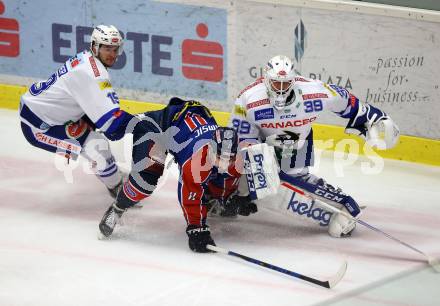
[326, 192]
[340, 225]
[261, 170]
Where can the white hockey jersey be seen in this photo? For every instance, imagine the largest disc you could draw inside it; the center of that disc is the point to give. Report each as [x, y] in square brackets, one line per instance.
[81, 86]
[254, 117]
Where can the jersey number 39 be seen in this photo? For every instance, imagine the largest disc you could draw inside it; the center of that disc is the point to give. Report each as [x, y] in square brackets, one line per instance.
[241, 126]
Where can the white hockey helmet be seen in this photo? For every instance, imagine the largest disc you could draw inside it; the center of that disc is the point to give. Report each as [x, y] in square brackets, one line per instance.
[105, 35]
[279, 76]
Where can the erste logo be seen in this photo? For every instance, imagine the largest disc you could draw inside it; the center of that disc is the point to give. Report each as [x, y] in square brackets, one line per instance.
[9, 36]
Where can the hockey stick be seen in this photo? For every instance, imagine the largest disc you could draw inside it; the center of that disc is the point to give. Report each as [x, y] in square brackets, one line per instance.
[324, 202]
[329, 283]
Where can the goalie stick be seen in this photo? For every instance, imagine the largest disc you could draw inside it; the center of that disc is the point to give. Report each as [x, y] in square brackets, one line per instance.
[328, 283]
[433, 262]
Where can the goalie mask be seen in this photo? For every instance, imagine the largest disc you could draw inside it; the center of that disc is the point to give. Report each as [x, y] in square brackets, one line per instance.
[105, 35]
[223, 148]
[279, 76]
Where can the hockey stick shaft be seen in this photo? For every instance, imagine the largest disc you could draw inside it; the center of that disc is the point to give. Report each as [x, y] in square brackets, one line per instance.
[390, 237]
[433, 262]
[326, 284]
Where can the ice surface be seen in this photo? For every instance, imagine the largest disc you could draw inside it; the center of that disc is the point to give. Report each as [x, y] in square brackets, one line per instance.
[50, 254]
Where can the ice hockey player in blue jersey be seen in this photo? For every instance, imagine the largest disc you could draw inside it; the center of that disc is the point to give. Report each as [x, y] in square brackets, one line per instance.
[61, 114]
[206, 157]
[279, 109]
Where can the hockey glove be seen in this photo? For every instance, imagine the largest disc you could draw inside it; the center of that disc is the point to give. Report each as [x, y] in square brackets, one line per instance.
[198, 238]
[89, 122]
[370, 123]
[239, 205]
[245, 206]
[366, 116]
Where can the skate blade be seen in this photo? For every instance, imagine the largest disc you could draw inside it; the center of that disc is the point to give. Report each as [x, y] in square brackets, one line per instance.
[101, 236]
[137, 206]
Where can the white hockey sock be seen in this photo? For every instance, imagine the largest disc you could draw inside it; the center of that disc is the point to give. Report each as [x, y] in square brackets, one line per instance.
[110, 176]
[97, 150]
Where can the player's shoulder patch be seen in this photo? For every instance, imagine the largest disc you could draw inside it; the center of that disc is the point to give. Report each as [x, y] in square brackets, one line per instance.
[315, 90]
[260, 102]
[94, 66]
[239, 110]
[339, 90]
[75, 61]
[315, 95]
[105, 84]
[62, 70]
[302, 79]
[258, 81]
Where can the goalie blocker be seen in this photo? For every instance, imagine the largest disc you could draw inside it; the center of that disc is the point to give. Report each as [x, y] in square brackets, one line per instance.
[261, 170]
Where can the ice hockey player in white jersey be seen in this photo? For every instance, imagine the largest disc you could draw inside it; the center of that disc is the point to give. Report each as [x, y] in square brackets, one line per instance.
[279, 109]
[61, 114]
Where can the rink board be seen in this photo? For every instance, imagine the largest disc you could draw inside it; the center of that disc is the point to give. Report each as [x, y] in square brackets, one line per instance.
[413, 149]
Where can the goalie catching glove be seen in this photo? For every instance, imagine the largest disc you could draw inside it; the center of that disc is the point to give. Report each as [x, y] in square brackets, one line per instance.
[375, 126]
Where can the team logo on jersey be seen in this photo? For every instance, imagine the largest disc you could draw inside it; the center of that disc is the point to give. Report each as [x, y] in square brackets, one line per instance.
[317, 95]
[262, 114]
[194, 120]
[75, 130]
[74, 61]
[257, 103]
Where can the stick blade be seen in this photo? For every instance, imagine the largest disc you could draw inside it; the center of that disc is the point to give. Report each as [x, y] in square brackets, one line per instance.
[338, 276]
